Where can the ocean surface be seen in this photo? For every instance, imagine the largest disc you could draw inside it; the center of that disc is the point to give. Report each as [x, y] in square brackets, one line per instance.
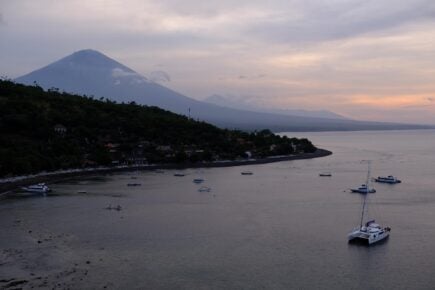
[283, 227]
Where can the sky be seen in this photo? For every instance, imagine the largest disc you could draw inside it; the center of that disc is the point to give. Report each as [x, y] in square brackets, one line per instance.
[368, 60]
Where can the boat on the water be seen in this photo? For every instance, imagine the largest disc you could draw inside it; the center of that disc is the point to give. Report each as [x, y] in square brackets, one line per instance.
[37, 188]
[369, 232]
[246, 173]
[388, 179]
[134, 184]
[178, 174]
[198, 180]
[204, 189]
[325, 174]
[363, 189]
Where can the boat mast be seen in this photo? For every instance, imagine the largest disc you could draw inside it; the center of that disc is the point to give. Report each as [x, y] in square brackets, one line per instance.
[365, 195]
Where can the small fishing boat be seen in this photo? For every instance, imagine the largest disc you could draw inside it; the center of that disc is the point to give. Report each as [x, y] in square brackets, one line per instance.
[204, 189]
[37, 188]
[178, 174]
[117, 208]
[134, 184]
[325, 174]
[388, 179]
[198, 180]
[246, 173]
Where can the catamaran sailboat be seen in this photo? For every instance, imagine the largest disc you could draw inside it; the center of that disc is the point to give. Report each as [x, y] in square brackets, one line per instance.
[370, 231]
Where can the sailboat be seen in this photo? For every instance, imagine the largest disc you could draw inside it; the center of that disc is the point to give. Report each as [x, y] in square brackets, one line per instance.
[369, 231]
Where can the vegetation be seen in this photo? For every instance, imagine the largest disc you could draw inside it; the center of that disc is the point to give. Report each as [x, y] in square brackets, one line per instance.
[49, 130]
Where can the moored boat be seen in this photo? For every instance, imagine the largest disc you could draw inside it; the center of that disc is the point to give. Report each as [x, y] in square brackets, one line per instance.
[363, 189]
[37, 188]
[369, 232]
[387, 179]
[325, 174]
[134, 184]
[246, 172]
[198, 180]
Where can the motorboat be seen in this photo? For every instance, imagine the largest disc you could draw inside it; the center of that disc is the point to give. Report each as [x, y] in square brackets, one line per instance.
[37, 188]
[198, 180]
[363, 189]
[388, 179]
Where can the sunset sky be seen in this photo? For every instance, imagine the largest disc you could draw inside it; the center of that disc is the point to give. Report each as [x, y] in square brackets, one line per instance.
[369, 60]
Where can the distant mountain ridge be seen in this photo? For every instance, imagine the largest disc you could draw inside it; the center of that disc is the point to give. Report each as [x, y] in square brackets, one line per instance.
[231, 102]
[89, 72]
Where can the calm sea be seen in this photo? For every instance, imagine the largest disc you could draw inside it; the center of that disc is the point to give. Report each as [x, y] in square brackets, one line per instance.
[283, 227]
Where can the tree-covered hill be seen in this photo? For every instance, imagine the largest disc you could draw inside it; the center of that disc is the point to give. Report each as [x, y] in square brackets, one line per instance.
[48, 130]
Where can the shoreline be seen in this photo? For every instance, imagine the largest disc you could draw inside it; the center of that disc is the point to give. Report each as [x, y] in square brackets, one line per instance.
[53, 177]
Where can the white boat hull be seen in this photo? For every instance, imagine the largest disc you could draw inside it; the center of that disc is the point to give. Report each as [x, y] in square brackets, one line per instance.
[370, 238]
[34, 190]
[38, 188]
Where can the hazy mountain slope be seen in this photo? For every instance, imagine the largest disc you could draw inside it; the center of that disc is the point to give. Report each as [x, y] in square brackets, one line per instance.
[238, 103]
[90, 72]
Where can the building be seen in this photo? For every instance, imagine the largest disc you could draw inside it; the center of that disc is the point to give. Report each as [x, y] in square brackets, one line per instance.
[60, 129]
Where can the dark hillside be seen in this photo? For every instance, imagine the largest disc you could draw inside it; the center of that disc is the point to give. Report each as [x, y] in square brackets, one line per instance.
[48, 130]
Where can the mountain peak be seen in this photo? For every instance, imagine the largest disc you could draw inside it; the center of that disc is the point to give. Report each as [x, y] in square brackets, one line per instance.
[91, 58]
[88, 53]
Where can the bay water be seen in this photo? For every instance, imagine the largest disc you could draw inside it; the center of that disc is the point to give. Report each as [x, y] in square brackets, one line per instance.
[283, 227]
